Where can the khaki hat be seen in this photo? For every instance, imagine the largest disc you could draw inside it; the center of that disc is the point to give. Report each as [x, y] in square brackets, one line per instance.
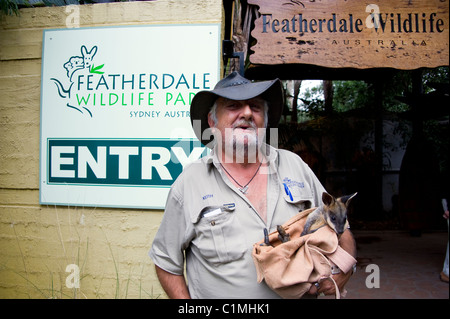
[236, 87]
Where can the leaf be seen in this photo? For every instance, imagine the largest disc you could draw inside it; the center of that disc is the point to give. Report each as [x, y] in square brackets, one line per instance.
[96, 69]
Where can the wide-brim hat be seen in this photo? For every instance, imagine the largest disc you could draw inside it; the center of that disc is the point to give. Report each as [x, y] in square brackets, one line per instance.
[236, 87]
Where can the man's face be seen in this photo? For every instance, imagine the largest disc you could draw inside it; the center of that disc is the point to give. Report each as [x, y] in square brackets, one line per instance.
[238, 123]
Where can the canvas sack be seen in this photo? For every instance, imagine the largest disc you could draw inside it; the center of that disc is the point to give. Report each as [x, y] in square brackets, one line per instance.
[291, 268]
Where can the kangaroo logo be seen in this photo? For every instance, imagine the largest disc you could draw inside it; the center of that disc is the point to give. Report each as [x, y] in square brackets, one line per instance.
[77, 63]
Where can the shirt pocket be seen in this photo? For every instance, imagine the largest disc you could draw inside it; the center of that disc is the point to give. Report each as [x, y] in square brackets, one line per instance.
[219, 235]
[301, 197]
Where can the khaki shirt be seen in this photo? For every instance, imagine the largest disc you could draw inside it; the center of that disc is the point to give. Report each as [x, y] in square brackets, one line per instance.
[212, 226]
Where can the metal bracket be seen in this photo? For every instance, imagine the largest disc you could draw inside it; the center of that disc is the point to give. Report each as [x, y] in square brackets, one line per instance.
[228, 53]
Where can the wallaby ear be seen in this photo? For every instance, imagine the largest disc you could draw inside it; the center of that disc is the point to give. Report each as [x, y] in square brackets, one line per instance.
[83, 50]
[93, 51]
[347, 199]
[327, 199]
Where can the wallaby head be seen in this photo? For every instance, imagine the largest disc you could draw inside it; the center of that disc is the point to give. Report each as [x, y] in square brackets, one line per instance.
[335, 211]
[88, 56]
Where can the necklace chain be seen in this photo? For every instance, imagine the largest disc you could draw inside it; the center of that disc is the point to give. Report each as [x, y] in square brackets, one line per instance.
[244, 188]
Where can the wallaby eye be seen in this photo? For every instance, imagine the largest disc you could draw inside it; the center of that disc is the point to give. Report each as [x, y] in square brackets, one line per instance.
[333, 218]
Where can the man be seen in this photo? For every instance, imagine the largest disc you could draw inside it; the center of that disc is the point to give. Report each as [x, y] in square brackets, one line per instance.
[220, 205]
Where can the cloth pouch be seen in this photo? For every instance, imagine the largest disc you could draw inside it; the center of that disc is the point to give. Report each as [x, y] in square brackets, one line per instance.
[291, 268]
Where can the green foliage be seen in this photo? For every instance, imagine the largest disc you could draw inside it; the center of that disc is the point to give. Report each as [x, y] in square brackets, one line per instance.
[437, 135]
[9, 7]
[96, 69]
[353, 95]
[350, 95]
[437, 75]
[356, 100]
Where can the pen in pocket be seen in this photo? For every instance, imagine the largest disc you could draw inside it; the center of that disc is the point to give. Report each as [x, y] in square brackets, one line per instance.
[288, 192]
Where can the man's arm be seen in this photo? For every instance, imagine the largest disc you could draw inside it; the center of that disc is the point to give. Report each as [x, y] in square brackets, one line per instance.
[174, 285]
[347, 242]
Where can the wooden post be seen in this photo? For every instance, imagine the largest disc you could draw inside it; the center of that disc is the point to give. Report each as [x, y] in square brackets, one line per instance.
[379, 145]
[417, 91]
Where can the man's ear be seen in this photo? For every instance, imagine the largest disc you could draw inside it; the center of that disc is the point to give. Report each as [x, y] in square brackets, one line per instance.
[210, 120]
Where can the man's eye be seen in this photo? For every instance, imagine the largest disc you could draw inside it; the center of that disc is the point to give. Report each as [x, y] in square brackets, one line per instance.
[256, 107]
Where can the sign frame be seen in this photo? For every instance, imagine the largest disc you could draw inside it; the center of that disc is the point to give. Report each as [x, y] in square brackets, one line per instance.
[111, 108]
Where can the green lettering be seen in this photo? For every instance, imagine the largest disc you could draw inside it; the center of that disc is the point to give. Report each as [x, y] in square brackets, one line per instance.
[116, 98]
[83, 99]
[179, 98]
[169, 97]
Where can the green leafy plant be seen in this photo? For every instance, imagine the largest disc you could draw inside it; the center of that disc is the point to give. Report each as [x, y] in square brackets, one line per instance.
[95, 69]
[9, 7]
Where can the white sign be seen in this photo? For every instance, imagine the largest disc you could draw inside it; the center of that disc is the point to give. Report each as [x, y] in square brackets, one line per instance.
[115, 101]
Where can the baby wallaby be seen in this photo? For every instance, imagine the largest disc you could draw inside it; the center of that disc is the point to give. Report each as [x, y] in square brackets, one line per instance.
[333, 213]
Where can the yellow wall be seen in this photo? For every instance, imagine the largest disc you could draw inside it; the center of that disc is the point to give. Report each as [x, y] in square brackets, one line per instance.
[38, 242]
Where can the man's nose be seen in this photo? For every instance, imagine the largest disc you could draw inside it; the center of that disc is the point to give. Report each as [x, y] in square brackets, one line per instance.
[246, 111]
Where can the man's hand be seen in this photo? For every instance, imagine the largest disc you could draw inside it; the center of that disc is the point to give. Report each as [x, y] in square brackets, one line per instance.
[327, 286]
[347, 242]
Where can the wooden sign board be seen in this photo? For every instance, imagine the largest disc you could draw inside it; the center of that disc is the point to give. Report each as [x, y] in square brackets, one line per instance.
[406, 34]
